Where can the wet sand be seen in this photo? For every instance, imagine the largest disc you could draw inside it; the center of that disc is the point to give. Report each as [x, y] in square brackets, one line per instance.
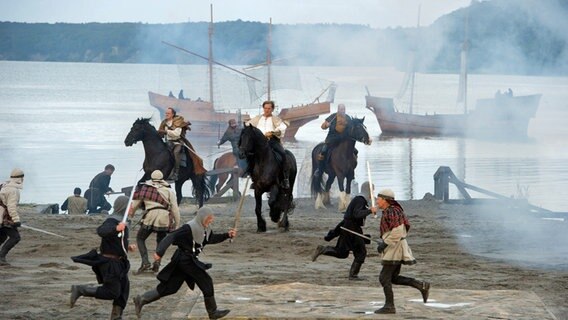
[271, 275]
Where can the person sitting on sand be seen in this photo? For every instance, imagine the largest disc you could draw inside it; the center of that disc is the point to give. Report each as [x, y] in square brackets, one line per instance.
[75, 204]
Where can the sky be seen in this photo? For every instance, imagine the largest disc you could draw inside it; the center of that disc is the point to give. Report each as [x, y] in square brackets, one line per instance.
[375, 13]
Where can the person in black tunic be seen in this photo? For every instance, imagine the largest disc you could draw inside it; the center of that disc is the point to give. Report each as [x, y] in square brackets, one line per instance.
[111, 267]
[184, 266]
[353, 219]
[98, 187]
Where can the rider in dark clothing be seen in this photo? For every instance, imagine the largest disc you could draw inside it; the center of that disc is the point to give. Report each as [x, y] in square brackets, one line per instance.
[353, 219]
[233, 134]
[337, 124]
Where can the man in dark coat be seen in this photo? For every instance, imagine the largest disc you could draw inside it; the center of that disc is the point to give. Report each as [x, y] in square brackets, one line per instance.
[98, 187]
[337, 124]
[185, 266]
[233, 134]
[110, 266]
[353, 219]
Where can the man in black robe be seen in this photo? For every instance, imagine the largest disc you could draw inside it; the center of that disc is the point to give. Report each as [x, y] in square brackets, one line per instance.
[353, 219]
[185, 266]
[111, 267]
[98, 187]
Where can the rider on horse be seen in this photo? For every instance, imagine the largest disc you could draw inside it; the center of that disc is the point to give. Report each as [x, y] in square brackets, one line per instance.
[337, 124]
[273, 129]
[173, 128]
[233, 134]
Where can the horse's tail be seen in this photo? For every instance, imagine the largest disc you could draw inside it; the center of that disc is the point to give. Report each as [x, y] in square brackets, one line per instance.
[316, 182]
[213, 178]
[201, 189]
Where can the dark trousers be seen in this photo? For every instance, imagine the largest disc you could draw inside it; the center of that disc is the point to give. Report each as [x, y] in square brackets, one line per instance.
[341, 250]
[187, 271]
[390, 274]
[96, 201]
[277, 146]
[142, 235]
[116, 285]
[13, 237]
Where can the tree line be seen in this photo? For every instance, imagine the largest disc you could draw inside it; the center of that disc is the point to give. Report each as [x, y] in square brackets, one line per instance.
[502, 36]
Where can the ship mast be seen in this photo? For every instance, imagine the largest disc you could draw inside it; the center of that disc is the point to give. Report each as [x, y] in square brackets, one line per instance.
[413, 77]
[268, 57]
[462, 94]
[210, 62]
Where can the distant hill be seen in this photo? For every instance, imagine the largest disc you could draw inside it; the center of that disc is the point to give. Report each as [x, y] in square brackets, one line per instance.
[504, 36]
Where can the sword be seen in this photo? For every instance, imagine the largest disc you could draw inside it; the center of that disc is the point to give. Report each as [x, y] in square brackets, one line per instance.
[43, 231]
[362, 235]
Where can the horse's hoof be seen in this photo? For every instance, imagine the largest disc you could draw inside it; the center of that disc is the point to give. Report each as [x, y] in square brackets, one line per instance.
[260, 230]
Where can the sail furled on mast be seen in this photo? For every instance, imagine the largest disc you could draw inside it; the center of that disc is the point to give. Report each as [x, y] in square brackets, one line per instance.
[282, 77]
[410, 69]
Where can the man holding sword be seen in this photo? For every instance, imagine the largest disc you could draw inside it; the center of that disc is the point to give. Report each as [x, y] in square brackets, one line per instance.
[353, 219]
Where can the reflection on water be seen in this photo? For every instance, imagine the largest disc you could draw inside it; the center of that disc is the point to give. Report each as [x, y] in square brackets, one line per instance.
[63, 122]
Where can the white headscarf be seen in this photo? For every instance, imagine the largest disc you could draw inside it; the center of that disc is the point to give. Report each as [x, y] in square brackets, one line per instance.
[199, 231]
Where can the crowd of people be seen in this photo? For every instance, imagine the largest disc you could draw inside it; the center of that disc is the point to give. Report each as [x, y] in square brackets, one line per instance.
[161, 215]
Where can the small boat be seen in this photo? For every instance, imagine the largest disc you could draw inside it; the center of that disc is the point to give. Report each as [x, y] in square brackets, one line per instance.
[503, 116]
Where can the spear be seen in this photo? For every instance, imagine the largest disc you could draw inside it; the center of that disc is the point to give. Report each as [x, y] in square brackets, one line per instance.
[128, 208]
[371, 192]
[43, 231]
[240, 208]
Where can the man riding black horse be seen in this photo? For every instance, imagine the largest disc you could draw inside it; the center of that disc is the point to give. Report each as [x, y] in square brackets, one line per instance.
[273, 129]
[337, 123]
[173, 128]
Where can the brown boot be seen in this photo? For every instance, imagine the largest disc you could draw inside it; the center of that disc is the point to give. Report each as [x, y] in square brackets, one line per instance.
[116, 313]
[319, 250]
[388, 308]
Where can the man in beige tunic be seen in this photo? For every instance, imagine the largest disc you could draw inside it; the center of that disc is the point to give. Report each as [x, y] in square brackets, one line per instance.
[9, 217]
[75, 204]
[395, 251]
[273, 129]
[161, 215]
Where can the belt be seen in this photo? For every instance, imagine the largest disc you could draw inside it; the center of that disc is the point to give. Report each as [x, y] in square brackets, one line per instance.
[112, 256]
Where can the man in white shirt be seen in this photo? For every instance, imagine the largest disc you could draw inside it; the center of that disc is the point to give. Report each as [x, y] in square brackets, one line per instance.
[273, 129]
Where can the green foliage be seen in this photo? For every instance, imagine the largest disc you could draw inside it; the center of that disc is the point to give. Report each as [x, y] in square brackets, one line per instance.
[504, 36]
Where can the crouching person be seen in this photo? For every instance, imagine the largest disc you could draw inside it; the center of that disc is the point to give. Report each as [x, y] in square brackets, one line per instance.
[184, 266]
[111, 267]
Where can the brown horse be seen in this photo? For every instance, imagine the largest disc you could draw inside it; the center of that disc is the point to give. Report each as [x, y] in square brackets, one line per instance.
[226, 160]
[342, 164]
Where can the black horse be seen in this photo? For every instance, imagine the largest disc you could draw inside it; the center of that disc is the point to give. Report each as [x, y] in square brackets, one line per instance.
[342, 163]
[266, 175]
[158, 157]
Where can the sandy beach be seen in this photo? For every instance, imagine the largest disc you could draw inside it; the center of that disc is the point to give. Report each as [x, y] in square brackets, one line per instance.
[271, 275]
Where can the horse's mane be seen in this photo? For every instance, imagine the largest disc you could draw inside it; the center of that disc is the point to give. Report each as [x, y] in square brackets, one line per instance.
[143, 120]
[257, 134]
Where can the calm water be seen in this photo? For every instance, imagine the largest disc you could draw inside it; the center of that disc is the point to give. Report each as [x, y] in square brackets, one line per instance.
[63, 122]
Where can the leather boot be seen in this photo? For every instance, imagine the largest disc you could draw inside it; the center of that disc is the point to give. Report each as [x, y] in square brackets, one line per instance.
[156, 266]
[3, 253]
[82, 290]
[424, 288]
[116, 313]
[145, 267]
[212, 311]
[354, 271]
[319, 250]
[145, 298]
[388, 308]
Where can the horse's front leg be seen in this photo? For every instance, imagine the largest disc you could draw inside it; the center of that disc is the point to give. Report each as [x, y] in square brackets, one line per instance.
[343, 196]
[328, 184]
[260, 223]
[222, 179]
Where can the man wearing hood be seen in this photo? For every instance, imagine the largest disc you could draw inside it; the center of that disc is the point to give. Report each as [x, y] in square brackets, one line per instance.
[110, 265]
[185, 266]
[9, 217]
[353, 219]
[161, 215]
[395, 251]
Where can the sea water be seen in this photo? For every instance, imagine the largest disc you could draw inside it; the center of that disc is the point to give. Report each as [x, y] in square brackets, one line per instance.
[63, 122]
